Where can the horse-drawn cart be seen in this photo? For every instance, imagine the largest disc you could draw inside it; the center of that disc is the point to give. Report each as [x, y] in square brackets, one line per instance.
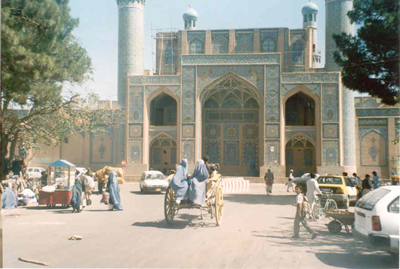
[214, 202]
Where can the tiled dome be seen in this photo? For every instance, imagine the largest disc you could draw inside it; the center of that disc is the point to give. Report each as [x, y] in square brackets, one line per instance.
[190, 14]
[310, 7]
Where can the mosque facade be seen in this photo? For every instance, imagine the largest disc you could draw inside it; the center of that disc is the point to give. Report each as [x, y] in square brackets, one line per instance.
[250, 99]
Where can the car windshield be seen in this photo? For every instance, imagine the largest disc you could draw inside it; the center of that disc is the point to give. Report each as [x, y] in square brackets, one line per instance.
[155, 176]
[330, 180]
[368, 201]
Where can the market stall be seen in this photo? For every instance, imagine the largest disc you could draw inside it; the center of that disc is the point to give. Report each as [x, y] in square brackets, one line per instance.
[60, 181]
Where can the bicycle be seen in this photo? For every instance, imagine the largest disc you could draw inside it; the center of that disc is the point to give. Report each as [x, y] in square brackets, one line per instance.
[318, 211]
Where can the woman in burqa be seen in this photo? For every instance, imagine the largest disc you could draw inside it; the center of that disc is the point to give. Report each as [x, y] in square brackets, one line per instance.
[198, 183]
[179, 182]
[76, 200]
[113, 189]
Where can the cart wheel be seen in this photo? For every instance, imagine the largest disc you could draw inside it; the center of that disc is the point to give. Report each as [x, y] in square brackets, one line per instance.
[219, 205]
[330, 205]
[169, 205]
[334, 227]
[316, 213]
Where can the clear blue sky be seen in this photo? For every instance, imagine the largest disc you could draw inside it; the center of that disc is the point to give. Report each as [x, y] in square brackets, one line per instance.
[98, 29]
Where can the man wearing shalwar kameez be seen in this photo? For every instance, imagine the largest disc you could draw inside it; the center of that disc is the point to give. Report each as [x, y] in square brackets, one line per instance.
[113, 189]
[198, 183]
[179, 182]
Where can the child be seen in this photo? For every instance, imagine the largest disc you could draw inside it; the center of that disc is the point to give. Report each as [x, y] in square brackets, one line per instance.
[300, 216]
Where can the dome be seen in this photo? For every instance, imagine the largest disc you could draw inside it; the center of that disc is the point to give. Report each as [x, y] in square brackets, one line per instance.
[310, 7]
[190, 14]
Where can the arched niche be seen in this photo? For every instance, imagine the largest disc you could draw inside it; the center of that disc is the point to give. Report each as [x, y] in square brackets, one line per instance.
[300, 110]
[163, 110]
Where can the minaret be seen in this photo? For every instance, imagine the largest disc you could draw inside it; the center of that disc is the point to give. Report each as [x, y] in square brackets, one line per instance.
[338, 22]
[130, 43]
[310, 11]
[190, 17]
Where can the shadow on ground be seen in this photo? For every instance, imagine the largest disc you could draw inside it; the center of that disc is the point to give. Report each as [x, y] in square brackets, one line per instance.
[176, 224]
[338, 250]
[147, 193]
[260, 199]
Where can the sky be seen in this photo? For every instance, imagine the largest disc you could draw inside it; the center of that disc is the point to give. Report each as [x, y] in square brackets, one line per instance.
[98, 28]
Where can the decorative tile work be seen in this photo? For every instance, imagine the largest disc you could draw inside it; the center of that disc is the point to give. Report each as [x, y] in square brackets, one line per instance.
[172, 134]
[297, 40]
[244, 41]
[268, 32]
[233, 59]
[155, 80]
[135, 130]
[310, 78]
[136, 104]
[373, 129]
[120, 143]
[201, 35]
[176, 90]
[331, 155]
[369, 103]
[272, 155]
[250, 131]
[220, 41]
[102, 147]
[188, 131]
[231, 152]
[213, 131]
[315, 88]
[397, 127]
[250, 152]
[206, 75]
[231, 131]
[268, 44]
[272, 131]
[272, 96]
[135, 151]
[188, 150]
[213, 149]
[188, 94]
[330, 103]
[330, 131]
[381, 112]
[196, 41]
[218, 116]
[311, 134]
[173, 156]
[286, 46]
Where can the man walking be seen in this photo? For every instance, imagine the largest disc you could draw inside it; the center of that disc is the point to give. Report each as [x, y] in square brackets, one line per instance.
[269, 181]
[300, 216]
[312, 191]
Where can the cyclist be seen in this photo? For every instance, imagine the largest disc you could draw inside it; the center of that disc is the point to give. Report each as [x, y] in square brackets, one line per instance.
[312, 191]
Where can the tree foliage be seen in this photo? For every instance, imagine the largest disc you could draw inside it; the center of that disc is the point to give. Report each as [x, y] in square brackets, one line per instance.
[370, 60]
[39, 54]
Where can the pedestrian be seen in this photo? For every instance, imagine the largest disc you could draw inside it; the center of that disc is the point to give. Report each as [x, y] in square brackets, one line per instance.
[76, 200]
[89, 186]
[9, 199]
[300, 216]
[197, 183]
[312, 191]
[366, 185]
[113, 189]
[43, 179]
[179, 182]
[210, 167]
[290, 184]
[376, 182]
[345, 174]
[269, 181]
[358, 185]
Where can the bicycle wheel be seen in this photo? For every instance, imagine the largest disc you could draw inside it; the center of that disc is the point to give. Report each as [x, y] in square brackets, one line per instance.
[330, 205]
[316, 212]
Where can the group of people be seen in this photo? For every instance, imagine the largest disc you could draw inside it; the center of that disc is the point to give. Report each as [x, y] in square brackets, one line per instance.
[192, 188]
[83, 187]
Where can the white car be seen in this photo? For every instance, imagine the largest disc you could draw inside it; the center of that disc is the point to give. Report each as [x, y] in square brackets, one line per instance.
[34, 172]
[377, 219]
[153, 181]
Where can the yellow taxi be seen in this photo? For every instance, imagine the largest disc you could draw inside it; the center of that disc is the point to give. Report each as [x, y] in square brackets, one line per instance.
[343, 190]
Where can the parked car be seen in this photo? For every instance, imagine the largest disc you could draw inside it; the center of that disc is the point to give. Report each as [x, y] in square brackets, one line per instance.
[377, 219]
[34, 172]
[153, 181]
[343, 190]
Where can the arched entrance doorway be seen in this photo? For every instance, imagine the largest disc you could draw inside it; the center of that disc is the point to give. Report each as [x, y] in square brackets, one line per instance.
[300, 155]
[231, 126]
[162, 153]
[300, 110]
[163, 111]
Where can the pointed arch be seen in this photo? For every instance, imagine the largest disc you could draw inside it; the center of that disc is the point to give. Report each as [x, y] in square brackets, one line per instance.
[220, 45]
[373, 148]
[196, 46]
[244, 45]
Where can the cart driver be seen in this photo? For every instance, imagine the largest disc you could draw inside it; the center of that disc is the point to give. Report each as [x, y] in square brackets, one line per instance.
[210, 167]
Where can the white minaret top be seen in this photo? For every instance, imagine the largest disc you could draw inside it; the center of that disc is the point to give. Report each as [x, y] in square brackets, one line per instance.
[190, 17]
[310, 11]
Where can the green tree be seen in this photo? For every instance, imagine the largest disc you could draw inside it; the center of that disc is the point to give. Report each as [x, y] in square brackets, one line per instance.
[38, 55]
[370, 60]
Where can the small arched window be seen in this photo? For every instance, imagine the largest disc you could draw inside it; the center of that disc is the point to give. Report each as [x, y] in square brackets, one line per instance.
[305, 18]
[196, 46]
[244, 45]
[220, 45]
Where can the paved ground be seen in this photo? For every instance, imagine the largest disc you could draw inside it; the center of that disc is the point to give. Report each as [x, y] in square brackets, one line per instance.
[255, 233]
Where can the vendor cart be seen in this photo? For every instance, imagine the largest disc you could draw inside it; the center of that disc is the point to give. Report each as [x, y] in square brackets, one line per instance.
[214, 202]
[61, 178]
[340, 218]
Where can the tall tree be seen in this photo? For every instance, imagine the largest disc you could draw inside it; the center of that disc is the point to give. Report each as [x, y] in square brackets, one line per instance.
[39, 54]
[370, 60]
